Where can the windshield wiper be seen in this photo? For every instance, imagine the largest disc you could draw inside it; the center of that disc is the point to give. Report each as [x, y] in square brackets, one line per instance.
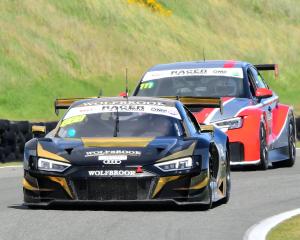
[116, 123]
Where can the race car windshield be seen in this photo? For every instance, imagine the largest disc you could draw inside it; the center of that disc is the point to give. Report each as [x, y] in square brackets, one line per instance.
[130, 124]
[197, 86]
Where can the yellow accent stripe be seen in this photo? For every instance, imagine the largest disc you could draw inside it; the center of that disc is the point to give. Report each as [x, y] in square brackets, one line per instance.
[44, 153]
[36, 128]
[184, 153]
[224, 187]
[66, 102]
[116, 142]
[29, 187]
[62, 182]
[162, 182]
[207, 128]
[196, 100]
[197, 186]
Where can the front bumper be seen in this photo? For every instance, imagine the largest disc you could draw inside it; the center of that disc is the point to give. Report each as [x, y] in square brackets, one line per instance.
[237, 155]
[75, 187]
[245, 142]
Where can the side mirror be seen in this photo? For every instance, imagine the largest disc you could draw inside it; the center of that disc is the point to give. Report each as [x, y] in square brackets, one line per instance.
[207, 128]
[263, 93]
[123, 94]
[38, 131]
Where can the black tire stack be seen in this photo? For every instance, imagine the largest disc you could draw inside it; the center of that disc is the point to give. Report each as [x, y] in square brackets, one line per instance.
[14, 135]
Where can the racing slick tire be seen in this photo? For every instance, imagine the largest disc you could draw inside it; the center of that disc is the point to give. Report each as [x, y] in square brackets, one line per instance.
[292, 146]
[264, 161]
[208, 205]
[228, 179]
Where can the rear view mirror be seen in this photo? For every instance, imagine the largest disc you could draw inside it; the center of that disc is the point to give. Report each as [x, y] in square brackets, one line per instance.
[207, 128]
[263, 93]
[38, 131]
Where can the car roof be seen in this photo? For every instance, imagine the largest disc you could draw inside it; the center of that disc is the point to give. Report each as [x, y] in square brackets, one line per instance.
[138, 100]
[200, 64]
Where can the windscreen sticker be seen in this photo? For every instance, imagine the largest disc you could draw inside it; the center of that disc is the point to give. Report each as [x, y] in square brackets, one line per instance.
[72, 120]
[225, 72]
[160, 110]
[147, 85]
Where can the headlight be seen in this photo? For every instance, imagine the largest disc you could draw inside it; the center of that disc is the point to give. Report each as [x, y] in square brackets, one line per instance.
[178, 164]
[231, 123]
[50, 165]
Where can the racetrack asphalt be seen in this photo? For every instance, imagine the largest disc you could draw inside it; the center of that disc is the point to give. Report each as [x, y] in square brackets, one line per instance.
[255, 195]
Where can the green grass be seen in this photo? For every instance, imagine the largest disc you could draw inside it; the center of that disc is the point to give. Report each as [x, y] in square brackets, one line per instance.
[51, 48]
[287, 230]
[11, 164]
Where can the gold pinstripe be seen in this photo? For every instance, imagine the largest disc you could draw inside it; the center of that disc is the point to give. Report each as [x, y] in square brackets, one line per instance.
[41, 152]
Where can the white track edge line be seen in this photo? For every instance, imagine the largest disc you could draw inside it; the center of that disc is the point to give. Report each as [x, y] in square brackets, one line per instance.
[260, 230]
[17, 166]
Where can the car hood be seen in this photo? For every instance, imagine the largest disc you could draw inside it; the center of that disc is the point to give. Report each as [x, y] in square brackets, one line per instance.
[132, 151]
[231, 108]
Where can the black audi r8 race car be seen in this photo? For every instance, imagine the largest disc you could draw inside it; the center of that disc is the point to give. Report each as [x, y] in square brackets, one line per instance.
[127, 150]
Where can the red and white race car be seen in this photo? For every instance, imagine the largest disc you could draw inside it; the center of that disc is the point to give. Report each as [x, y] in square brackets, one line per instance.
[261, 130]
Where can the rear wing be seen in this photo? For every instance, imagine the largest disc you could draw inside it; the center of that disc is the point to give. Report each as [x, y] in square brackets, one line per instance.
[189, 102]
[65, 103]
[207, 102]
[268, 67]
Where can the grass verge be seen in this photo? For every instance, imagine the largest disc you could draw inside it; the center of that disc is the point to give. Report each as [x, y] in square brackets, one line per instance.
[11, 164]
[289, 229]
[71, 48]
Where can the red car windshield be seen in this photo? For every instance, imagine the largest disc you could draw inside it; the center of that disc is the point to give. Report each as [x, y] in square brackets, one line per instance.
[197, 86]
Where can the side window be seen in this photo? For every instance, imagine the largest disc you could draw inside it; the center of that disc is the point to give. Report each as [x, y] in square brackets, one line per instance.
[263, 80]
[259, 82]
[251, 82]
[192, 119]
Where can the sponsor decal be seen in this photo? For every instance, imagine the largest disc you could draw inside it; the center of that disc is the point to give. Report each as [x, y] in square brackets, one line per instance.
[97, 103]
[123, 108]
[112, 173]
[113, 157]
[152, 109]
[112, 152]
[226, 72]
[185, 72]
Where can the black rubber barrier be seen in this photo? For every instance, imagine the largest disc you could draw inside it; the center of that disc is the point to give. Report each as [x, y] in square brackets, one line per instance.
[14, 135]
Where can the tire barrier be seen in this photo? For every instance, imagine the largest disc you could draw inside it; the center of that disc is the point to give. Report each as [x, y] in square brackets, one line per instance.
[14, 135]
[298, 127]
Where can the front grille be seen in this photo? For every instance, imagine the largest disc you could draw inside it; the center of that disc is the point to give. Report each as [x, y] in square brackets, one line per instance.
[112, 189]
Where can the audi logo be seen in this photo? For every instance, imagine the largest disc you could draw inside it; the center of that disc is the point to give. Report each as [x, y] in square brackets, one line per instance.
[112, 161]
